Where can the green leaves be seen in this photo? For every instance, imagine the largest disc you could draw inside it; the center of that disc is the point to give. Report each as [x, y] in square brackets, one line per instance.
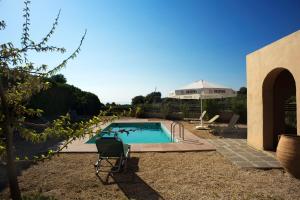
[47, 37]
[2, 149]
[2, 25]
[26, 15]
[63, 128]
[19, 81]
[72, 56]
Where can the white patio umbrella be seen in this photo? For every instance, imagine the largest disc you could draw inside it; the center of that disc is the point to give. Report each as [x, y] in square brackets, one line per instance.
[202, 90]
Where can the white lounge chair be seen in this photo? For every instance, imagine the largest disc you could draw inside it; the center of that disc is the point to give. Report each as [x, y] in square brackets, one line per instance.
[232, 125]
[202, 115]
[208, 123]
[193, 120]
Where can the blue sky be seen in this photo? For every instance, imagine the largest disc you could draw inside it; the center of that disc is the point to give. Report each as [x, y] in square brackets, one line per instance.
[133, 46]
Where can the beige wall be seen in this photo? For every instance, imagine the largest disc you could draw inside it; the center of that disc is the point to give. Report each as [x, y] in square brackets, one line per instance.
[284, 53]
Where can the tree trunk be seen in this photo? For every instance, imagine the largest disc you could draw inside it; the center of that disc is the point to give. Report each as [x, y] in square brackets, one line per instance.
[11, 166]
[8, 133]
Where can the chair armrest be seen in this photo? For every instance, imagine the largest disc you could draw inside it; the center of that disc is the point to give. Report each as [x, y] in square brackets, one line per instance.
[126, 149]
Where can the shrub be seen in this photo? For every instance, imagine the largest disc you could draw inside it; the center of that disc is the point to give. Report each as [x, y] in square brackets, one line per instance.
[139, 111]
[138, 100]
[58, 78]
[62, 98]
[166, 110]
[153, 97]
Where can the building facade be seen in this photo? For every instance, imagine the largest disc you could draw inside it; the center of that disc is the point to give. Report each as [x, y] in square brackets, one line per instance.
[273, 82]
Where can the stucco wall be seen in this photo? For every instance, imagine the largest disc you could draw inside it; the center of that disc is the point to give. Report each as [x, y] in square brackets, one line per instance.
[284, 53]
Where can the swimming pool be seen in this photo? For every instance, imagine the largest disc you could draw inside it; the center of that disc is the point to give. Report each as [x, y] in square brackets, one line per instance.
[134, 133]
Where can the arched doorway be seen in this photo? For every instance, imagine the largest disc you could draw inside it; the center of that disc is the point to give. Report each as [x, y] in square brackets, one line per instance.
[279, 106]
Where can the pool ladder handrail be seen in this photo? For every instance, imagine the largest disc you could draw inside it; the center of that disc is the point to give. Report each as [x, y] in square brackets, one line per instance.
[181, 130]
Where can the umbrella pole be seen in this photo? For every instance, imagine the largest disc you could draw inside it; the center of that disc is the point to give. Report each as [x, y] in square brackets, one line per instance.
[201, 113]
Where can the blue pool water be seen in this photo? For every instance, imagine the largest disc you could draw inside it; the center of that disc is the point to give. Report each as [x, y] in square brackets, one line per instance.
[132, 133]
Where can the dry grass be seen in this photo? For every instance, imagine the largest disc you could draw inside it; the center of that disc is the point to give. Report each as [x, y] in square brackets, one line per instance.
[193, 175]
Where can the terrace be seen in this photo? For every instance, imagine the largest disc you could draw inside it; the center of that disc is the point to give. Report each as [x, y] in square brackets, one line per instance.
[54, 136]
[203, 173]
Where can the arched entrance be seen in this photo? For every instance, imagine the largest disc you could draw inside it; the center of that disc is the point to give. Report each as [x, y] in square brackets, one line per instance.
[279, 106]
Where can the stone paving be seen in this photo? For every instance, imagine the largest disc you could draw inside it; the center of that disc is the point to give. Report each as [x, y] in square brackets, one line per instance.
[242, 155]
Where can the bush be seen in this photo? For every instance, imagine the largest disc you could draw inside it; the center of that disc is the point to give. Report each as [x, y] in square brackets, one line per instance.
[190, 108]
[58, 78]
[165, 110]
[117, 109]
[185, 110]
[138, 100]
[213, 107]
[139, 111]
[153, 97]
[239, 106]
[61, 98]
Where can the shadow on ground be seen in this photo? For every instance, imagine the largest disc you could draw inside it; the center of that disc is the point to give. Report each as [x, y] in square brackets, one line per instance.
[29, 149]
[239, 133]
[130, 183]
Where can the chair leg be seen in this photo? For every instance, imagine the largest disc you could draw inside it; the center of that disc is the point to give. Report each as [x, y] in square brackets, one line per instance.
[98, 165]
[121, 163]
[126, 164]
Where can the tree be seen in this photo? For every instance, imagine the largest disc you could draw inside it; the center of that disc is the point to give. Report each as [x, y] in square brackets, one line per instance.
[153, 97]
[239, 106]
[242, 91]
[62, 97]
[138, 100]
[20, 79]
[58, 78]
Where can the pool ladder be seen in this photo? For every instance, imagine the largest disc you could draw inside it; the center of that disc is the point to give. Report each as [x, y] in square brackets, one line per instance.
[181, 130]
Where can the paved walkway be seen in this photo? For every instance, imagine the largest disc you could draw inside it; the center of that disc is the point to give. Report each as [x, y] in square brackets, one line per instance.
[242, 155]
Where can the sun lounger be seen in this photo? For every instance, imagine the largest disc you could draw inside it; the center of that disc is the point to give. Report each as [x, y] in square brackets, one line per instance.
[233, 121]
[232, 125]
[193, 120]
[112, 148]
[208, 123]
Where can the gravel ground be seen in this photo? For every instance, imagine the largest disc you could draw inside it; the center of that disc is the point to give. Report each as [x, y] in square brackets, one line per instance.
[192, 175]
